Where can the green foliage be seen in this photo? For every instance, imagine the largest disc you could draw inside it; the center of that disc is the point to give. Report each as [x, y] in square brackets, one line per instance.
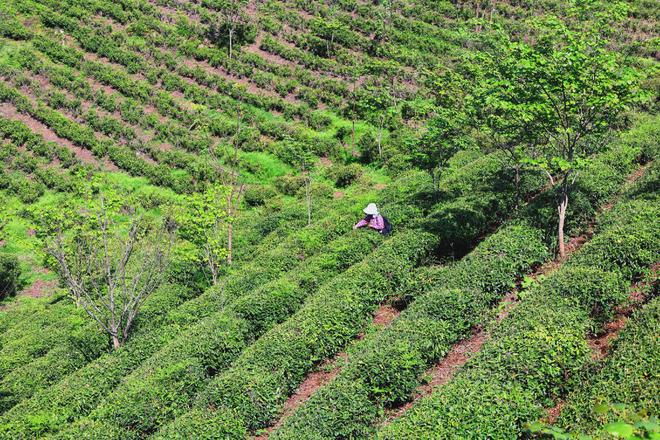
[203, 220]
[10, 273]
[149, 87]
[627, 376]
[385, 368]
[259, 195]
[539, 351]
[563, 90]
[594, 290]
[344, 175]
[270, 369]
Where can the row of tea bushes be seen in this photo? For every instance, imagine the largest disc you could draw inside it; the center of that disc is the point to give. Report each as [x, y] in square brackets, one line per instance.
[79, 346]
[81, 391]
[387, 367]
[84, 388]
[268, 371]
[627, 376]
[537, 353]
[146, 416]
[384, 368]
[164, 386]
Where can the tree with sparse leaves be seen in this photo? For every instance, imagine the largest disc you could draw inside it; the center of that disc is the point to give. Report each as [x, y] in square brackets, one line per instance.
[111, 266]
[203, 221]
[233, 24]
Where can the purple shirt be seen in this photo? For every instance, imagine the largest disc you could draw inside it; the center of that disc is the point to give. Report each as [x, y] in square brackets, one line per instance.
[376, 223]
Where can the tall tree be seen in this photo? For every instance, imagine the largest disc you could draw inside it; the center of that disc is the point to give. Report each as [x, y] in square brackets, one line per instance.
[203, 220]
[558, 96]
[449, 130]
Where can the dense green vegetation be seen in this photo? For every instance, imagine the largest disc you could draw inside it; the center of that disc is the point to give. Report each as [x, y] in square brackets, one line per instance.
[179, 181]
[537, 353]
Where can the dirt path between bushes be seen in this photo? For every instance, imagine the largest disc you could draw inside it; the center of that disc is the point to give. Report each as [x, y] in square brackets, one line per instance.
[9, 111]
[39, 288]
[326, 371]
[602, 343]
[461, 352]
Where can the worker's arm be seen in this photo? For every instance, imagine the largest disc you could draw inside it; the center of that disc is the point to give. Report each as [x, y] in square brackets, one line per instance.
[361, 224]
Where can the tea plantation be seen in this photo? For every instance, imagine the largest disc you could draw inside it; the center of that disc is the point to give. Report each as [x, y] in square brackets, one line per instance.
[181, 183]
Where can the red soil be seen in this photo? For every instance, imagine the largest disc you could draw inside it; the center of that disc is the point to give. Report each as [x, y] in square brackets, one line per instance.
[461, 352]
[9, 111]
[326, 371]
[39, 288]
[385, 315]
[275, 59]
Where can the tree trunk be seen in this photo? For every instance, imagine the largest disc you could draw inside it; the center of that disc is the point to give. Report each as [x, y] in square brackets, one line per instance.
[309, 203]
[231, 38]
[561, 209]
[380, 136]
[353, 137]
[353, 120]
[517, 183]
[115, 342]
[230, 239]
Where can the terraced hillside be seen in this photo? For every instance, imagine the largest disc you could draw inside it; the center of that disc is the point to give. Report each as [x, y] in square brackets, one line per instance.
[180, 180]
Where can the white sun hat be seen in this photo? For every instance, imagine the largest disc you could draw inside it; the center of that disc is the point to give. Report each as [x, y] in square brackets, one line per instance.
[371, 209]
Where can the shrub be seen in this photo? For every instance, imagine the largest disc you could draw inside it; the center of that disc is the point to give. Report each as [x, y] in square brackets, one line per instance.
[625, 377]
[344, 175]
[628, 248]
[385, 368]
[592, 289]
[270, 369]
[257, 195]
[289, 184]
[10, 273]
[540, 348]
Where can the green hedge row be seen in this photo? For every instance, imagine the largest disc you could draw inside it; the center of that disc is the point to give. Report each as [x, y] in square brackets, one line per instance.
[84, 137]
[164, 386]
[537, 353]
[350, 405]
[145, 416]
[268, 371]
[629, 375]
[82, 390]
[71, 399]
[80, 346]
[386, 367]
[18, 132]
[34, 337]
[92, 40]
[259, 308]
[139, 393]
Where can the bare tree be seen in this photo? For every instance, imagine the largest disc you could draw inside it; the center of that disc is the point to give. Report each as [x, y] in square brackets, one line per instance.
[230, 177]
[306, 172]
[110, 274]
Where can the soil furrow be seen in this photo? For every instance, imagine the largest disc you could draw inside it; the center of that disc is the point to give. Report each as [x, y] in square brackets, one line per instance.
[461, 352]
[326, 371]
